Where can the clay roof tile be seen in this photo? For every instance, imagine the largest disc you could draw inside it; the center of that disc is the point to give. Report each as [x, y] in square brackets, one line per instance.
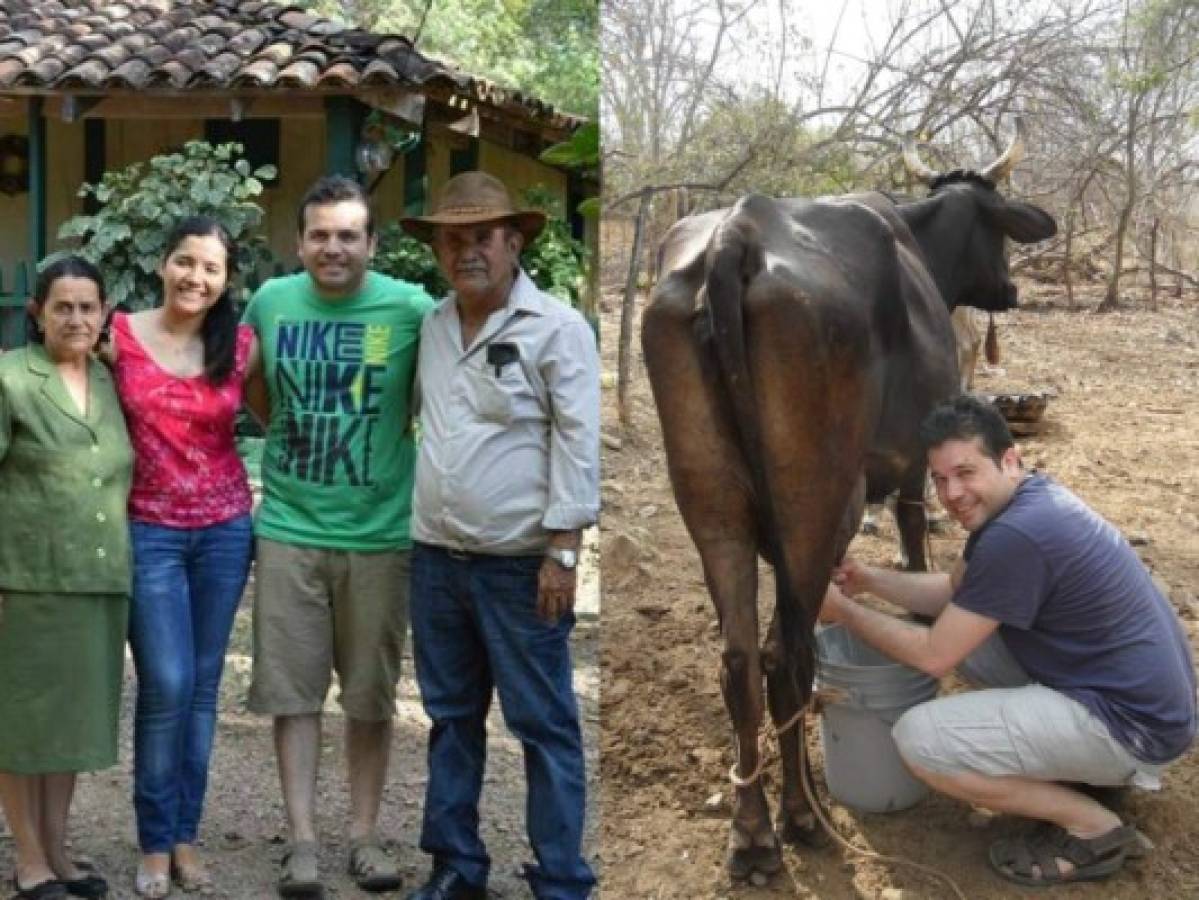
[193, 59]
[44, 71]
[173, 73]
[245, 43]
[156, 55]
[181, 38]
[211, 43]
[29, 55]
[10, 70]
[92, 41]
[132, 73]
[118, 30]
[136, 42]
[279, 54]
[259, 73]
[379, 71]
[341, 74]
[220, 68]
[90, 72]
[300, 73]
[298, 19]
[112, 55]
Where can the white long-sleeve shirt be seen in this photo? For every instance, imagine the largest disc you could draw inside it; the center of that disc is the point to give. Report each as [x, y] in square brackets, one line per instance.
[509, 447]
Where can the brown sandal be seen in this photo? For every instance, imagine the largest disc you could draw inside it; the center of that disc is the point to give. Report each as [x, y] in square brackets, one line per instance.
[372, 868]
[300, 877]
[1032, 860]
[192, 879]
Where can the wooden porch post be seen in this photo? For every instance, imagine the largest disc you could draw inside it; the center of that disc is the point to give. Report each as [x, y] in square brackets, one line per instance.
[575, 196]
[37, 182]
[466, 159]
[94, 159]
[416, 178]
[343, 123]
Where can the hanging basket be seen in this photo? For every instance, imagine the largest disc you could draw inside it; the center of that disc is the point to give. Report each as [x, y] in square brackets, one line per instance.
[14, 164]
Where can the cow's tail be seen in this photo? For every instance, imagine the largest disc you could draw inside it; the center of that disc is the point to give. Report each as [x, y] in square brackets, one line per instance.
[737, 259]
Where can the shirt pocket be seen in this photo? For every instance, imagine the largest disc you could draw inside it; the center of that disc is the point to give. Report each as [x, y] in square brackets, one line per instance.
[506, 398]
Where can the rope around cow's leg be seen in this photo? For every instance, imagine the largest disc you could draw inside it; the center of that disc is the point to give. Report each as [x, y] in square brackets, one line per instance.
[818, 810]
[790, 723]
[740, 782]
[805, 779]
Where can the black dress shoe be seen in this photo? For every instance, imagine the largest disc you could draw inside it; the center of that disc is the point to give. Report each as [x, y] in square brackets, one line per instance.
[446, 884]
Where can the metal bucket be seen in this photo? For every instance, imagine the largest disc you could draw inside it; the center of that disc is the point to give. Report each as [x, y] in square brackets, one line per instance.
[862, 765]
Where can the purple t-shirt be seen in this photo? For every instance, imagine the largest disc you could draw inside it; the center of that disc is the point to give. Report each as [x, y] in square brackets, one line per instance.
[1079, 612]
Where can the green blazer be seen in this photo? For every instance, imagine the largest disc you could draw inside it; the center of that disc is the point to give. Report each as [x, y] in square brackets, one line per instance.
[64, 481]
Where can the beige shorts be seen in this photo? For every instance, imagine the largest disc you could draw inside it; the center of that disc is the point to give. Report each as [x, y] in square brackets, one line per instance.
[1020, 728]
[317, 611]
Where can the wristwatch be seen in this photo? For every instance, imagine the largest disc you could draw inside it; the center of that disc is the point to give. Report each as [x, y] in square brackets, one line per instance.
[567, 559]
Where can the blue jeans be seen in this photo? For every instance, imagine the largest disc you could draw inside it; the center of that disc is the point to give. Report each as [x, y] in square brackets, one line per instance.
[186, 586]
[475, 627]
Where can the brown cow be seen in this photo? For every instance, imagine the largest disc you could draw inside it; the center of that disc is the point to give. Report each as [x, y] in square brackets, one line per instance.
[793, 347]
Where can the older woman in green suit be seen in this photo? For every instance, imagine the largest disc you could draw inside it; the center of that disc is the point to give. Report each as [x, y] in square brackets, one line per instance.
[65, 466]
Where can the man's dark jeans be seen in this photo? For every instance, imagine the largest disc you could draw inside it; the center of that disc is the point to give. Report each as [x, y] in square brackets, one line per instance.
[475, 627]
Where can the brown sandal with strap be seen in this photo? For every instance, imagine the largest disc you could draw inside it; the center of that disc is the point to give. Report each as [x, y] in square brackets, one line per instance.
[1033, 860]
[372, 868]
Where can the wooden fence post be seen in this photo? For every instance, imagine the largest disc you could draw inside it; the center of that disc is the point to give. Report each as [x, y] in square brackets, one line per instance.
[628, 312]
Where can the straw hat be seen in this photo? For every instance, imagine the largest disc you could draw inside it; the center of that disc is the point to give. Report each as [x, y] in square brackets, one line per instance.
[471, 198]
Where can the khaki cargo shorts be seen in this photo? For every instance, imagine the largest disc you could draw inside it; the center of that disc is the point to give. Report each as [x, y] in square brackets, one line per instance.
[1016, 727]
[318, 610]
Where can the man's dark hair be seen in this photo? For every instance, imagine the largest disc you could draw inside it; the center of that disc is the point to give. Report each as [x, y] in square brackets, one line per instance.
[966, 417]
[335, 189]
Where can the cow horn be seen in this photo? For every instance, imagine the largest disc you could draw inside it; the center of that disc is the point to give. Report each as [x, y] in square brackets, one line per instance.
[1002, 167]
[915, 164]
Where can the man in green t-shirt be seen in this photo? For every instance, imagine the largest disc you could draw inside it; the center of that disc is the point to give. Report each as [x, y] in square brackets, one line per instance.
[332, 378]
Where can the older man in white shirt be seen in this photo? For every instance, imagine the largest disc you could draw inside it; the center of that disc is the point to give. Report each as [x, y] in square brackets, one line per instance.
[506, 479]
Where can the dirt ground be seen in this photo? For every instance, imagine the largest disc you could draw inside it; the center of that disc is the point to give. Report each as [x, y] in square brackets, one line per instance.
[243, 834]
[1120, 432]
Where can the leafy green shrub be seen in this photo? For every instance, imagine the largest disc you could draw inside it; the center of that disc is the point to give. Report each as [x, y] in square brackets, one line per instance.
[141, 204]
[401, 256]
[555, 262]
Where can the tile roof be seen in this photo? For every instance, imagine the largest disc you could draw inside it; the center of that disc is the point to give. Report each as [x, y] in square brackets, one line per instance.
[97, 46]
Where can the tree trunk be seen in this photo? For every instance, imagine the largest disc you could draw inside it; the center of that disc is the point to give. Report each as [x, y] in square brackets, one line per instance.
[1111, 296]
[628, 308]
[1067, 261]
[591, 288]
[1153, 229]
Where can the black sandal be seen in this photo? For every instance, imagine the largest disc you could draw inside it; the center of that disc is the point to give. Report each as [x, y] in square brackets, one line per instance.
[1032, 860]
[89, 885]
[49, 889]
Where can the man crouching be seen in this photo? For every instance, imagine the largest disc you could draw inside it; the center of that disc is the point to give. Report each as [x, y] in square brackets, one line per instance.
[1089, 674]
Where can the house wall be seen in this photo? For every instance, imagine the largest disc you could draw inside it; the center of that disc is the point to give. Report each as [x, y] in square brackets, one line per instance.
[302, 160]
[520, 173]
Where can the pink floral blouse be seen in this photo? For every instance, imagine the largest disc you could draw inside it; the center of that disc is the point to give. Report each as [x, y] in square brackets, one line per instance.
[186, 471]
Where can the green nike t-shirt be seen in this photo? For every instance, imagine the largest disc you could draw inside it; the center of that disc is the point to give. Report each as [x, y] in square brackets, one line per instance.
[339, 455]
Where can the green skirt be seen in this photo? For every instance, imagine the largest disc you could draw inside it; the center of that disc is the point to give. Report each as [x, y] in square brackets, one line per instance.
[61, 661]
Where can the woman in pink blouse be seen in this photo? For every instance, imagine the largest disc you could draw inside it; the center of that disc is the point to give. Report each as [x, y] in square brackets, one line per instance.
[179, 369]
